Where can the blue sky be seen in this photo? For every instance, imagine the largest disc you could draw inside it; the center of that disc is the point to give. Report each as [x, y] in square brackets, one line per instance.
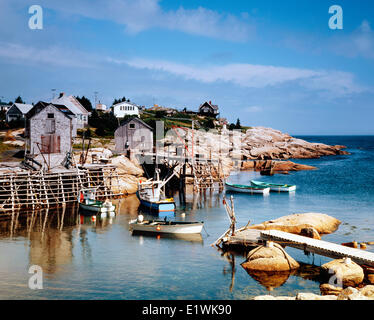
[270, 63]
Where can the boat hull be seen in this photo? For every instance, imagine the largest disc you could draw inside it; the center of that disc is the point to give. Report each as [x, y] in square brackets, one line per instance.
[159, 206]
[247, 189]
[100, 209]
[166, 228]
[275, 187]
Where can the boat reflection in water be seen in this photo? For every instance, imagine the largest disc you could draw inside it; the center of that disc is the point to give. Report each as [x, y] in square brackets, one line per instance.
[195, 237]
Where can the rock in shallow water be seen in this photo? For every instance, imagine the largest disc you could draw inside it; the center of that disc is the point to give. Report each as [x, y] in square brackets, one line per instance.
[269, 258]
[294, 223]
[346, 271]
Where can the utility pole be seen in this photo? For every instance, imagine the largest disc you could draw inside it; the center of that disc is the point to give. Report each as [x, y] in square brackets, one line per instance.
[95, 99]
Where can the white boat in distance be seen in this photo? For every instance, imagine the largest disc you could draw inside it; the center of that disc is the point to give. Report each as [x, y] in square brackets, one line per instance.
[175, 227]
[246, 188]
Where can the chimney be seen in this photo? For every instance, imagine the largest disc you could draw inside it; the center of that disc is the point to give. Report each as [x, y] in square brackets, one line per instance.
[210, 102]
[62, 94]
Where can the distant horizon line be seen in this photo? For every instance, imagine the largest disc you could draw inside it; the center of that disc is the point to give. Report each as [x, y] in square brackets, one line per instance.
[334, 135]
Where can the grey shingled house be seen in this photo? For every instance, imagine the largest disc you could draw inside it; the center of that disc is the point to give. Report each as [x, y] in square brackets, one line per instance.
[135, 135]
[49, 129]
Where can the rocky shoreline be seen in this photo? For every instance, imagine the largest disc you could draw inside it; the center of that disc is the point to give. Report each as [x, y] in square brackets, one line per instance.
[336, 293]
[258, 149]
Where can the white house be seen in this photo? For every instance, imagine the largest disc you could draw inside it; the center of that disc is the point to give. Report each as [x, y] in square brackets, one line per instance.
[75, 107]
[122, 109]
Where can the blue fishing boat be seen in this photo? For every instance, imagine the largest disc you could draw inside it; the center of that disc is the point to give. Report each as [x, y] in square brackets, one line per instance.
[152, 196]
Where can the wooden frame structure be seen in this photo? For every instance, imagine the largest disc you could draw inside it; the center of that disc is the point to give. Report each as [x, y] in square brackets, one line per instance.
[38, 189]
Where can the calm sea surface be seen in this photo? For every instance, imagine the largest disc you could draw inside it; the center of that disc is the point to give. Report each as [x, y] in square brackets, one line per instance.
[83, 259]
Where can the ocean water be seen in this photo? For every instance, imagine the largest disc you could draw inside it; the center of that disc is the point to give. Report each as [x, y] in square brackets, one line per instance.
[85, 259]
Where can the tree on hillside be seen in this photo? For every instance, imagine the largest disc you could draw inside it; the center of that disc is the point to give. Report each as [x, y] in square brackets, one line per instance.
[19, 100]
[86, 103]
[237, 125]
[105, 123]
[120, 100]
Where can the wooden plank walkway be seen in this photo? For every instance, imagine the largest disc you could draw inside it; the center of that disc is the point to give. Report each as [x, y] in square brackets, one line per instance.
[246, 238]
[320, 247]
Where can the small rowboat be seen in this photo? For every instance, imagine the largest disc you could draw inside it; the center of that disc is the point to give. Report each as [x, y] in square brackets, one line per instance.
[98, 206]
[157, 226]
[246, 188]
[87, 202]
[274, 186]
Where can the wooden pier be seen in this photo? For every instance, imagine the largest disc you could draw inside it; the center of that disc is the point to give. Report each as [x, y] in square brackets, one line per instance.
[204, 173]
[320, 247]
[248, 238]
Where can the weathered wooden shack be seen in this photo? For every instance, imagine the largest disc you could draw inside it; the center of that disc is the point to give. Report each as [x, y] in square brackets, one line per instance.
[50, 131]
[135, 135]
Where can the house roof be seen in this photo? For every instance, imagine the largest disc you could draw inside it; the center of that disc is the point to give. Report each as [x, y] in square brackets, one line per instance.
[24, 108]
[125, 103]
[41, 105]
[136, 119]
[71, 103]
[214, 106]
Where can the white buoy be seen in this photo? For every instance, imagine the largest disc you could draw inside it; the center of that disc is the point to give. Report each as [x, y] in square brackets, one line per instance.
[140, 218]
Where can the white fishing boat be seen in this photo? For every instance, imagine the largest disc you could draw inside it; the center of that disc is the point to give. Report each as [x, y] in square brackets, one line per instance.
[162, 226]
[274, 186]
[88, 202]
[247, 189]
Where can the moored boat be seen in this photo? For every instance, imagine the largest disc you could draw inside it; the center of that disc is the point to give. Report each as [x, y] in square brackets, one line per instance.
[152, 196]
[246, 188]
[162, 226]
[274, 186]
[87, 202]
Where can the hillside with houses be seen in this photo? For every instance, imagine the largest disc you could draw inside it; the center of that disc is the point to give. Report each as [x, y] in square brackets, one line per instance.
[50, 133]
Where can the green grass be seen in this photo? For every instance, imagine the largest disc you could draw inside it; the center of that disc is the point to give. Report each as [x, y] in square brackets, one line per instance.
[5, 147]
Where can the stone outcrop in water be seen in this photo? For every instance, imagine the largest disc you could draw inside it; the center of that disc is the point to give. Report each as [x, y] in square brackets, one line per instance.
[295, 223]
[258, 143]
[346, 271]
[267, 143]
[269, 258]
[275, 165]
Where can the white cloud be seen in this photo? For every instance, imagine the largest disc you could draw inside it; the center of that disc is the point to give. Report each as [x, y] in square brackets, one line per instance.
[336, 83]
[53, 55]
[331, 83]
[141, 15]
[359, 43]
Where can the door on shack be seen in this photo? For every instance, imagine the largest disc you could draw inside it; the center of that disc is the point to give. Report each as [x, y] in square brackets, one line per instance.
[50, 143]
